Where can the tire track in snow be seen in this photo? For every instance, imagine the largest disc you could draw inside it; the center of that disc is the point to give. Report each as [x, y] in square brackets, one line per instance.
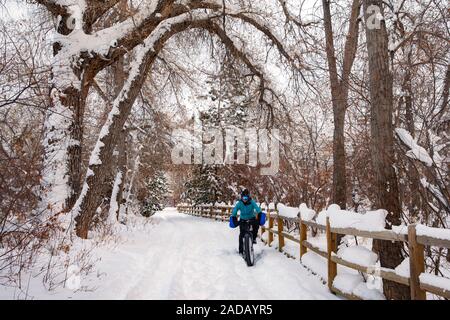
[196, 258]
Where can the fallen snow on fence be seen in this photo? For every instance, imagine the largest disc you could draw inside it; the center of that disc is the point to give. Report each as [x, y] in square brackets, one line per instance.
[306, 213]
[435, 281]
[369, 221]
[437, 233]
[288, 212]
[358, 255]
[403, 268]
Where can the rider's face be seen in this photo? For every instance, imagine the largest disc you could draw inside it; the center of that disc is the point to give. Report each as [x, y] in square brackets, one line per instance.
[245, 199]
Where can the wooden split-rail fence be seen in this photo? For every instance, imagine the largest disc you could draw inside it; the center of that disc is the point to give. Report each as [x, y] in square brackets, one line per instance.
[275, 225]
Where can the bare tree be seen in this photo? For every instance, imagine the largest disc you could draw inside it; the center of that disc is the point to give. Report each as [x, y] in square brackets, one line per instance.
[382, 141]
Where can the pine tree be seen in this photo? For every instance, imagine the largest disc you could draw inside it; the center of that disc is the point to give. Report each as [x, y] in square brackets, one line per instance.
[157, 187]
[205, 186]
[230, 96]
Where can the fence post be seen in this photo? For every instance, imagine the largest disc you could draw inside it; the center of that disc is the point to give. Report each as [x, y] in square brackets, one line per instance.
[416, 264]
[280, 234]
[211, 212]
[303, 237]
[331, 247]
[222, 213]
[270, 238]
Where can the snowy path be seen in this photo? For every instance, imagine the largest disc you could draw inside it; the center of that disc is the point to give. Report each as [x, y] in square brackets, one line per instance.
[196, 258]
[183, 257]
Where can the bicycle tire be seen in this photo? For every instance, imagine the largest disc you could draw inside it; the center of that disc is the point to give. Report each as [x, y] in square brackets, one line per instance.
[248, 250]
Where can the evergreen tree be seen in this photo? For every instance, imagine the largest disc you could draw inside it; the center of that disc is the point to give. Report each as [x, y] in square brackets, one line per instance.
[205, 185]
[230, 96]
[157, 187]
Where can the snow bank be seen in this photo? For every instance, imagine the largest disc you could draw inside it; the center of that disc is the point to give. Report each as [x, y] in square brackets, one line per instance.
[306, 213]
[347, 283]
[359, 255]
[438, 233]
[366, 293]
[355, 284]
[435, 281]
[288, 212]
[316, 263]
[416, 152]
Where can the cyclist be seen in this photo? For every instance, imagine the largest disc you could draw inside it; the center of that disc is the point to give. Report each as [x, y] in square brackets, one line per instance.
[249, 210]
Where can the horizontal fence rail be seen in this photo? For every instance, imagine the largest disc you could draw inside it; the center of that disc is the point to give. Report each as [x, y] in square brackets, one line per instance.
[275, 226]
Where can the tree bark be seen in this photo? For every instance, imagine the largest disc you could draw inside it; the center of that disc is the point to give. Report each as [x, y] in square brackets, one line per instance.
[339, 95]
[64, 133]
[382, 151]
[415, 203]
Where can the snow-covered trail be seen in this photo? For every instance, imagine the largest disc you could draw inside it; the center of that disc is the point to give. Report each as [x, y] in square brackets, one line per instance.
[178, 256]
[196, 258]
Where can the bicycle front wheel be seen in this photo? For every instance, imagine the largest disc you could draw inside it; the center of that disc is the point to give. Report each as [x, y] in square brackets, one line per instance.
[248, 249]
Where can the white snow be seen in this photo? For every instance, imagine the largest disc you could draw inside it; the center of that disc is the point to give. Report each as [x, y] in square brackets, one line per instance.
[438, 233]
[184, 257]
[416, 151]
[355, 284]
[435, 281]
[113, 205]
[365, 292]
[369, 221]
[57, 141]
[403, 268]
[316, 264]
[322, 217]
[347, 282]
[435, 191]
[359, 255]
[401, 229]
[306, 213]
[288, 212]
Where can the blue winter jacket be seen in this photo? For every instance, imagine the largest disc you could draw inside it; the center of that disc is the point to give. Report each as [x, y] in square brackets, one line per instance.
[247, 211]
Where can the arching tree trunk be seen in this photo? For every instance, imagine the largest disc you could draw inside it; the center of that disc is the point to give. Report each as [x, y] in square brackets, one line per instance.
[382, 151]
[100, 164]
[101, 157]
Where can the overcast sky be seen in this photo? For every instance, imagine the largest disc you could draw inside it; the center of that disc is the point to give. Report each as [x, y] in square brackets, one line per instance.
[13, 9]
